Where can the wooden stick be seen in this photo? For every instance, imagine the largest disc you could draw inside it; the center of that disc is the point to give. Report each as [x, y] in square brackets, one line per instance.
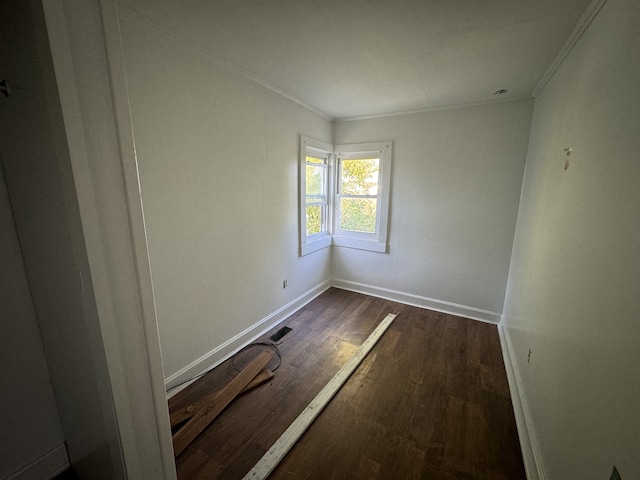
[179, 415]
[183, 437]
[281, 447]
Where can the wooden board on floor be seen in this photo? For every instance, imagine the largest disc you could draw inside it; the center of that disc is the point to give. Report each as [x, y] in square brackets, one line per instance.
[179, 415]
[183, 437]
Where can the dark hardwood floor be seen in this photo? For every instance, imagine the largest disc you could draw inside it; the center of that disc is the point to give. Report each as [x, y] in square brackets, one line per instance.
[430, 401]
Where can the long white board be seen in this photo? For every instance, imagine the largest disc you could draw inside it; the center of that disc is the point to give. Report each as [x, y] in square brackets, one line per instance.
[281, 447]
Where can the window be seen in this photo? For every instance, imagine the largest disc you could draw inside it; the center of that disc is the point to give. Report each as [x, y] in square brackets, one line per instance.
[362, 196]
[314, 195]
[344, 195]
[316, 201]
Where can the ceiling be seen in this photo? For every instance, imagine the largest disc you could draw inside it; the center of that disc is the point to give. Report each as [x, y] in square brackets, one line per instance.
[354, 58]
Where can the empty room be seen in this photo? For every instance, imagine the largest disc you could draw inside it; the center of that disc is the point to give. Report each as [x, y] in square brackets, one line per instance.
[440, 201]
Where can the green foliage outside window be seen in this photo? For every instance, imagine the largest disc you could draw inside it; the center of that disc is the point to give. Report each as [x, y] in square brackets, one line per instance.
[314, 219]
[314, 191]
[359, 180]
[359, 177]
[358, 214]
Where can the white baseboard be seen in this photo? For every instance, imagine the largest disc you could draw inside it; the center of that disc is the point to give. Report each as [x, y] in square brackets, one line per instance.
[526, 433]
[45, 467]
[419, 301]
[231, 346]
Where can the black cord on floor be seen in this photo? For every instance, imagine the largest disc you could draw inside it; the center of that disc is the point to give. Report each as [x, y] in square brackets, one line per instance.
[265, 344]
[273, 346]
[188, 380]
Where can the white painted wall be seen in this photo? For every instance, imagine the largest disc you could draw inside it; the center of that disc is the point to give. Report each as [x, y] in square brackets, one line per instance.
[573, 295]
[218, 160]
[31, 436]
[456, 180]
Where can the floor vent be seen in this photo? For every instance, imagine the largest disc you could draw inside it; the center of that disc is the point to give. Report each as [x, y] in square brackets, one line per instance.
[280, 333]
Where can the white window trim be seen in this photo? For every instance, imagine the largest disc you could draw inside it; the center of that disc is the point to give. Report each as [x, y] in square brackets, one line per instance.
[313, 243]
[373, 242]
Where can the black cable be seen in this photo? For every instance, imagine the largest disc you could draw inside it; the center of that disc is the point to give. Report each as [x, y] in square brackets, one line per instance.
[256, 344]
[189, 380]
[266, 344]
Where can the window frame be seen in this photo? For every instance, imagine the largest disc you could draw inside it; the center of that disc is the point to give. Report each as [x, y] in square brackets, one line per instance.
[318, 149]
[376, 242]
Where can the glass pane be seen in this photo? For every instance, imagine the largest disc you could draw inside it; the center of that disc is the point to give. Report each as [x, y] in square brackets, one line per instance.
[315, 180]
[315, 159]
[360, 176]
[358, 214]
[314, 219]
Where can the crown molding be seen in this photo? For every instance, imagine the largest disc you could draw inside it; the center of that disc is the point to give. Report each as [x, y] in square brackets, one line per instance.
[583, 23]
[433, 109]
[143, 20]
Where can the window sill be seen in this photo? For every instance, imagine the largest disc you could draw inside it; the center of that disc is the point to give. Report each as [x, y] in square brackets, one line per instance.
[372, 245]
[343, 241]
[315, 245]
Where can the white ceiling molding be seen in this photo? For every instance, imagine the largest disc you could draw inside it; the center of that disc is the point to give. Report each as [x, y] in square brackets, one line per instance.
[583, 23]
[137, 17]
[435, 109]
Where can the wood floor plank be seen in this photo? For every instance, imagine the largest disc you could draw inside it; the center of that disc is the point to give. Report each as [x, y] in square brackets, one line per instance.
[430, 401]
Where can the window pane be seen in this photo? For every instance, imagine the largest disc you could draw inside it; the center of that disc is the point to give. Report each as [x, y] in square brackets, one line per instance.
[360, 176]
[358, 214]
[315, 180]
[314, 219]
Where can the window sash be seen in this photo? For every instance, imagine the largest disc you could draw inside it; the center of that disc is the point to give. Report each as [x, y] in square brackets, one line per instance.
[318, 163]
[374, 185]
[377, 240]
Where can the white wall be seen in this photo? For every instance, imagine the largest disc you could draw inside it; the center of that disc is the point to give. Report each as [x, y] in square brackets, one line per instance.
[218, 165]
[573, 295]
[456, 180]
[31, 436]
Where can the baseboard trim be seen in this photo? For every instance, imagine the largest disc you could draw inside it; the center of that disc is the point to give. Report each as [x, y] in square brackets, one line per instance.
[419, 301]
[222, 352]
[45, 467]
[528, 441]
